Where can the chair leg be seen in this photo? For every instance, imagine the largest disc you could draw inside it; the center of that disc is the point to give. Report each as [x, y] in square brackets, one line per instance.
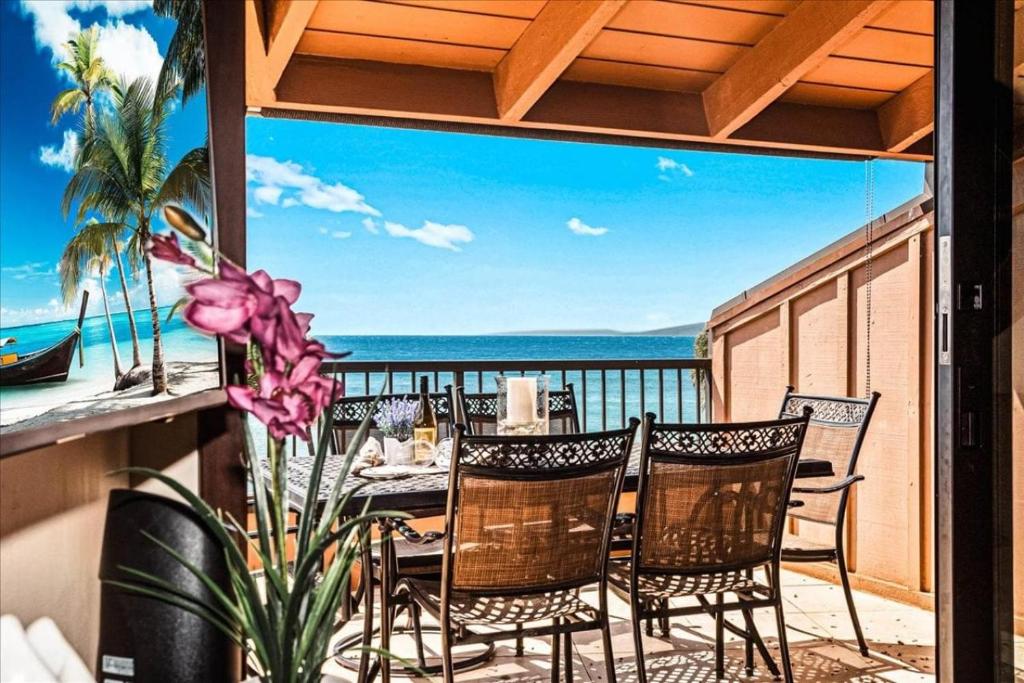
[609, 655]
[719, 638]
[787, 666]
[447, 665]
[417, 632]
[567, 645]
[844, 577]
[638, 640]
[556, 658]
[663, 619]
[520, 645]
[748, 617]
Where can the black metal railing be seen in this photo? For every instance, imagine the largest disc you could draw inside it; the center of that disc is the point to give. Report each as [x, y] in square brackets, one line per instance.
[608, 392]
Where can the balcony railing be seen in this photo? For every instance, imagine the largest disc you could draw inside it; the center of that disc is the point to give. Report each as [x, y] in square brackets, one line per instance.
[608, 392]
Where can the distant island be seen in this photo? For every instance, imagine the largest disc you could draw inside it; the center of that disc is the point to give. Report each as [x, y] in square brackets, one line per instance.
[687, 330]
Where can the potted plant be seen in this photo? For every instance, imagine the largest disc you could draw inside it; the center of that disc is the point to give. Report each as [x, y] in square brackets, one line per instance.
[283, 626]
[394, 418]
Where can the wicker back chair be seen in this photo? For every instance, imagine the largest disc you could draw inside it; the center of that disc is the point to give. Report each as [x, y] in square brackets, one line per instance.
[350, 411]
[479, 412]
[711, 508]
[835, 433]
[529, 523]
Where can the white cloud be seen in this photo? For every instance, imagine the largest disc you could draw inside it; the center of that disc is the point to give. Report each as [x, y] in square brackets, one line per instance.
[433, 234]
[371, 225]
[270, 175]
[581, 228]
[54, 310]
[671, 167]
[253, 213]
[324, 231]
[32, 270]
[64, 157]
[341, 234]
[127, 49]
[267, 194]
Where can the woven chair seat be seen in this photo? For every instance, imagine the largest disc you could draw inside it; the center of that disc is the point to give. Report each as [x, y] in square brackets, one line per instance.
[469, 610]
[797, 549]
[679, 585]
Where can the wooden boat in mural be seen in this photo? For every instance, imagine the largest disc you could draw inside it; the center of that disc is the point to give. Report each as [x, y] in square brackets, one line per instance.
[48, 365]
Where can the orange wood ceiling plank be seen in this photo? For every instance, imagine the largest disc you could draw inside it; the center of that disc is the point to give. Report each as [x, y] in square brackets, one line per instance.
[694, 21]
[863, 74]
[521, 9]
[398, 50]
[915, 16]
[778, 7]
[890, 46]
[417, 23]
[684, 53]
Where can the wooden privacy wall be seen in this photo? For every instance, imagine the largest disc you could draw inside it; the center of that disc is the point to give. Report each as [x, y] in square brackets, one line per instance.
[808, 326]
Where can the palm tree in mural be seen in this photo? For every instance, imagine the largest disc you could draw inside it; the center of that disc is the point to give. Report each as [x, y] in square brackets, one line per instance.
[91, 77]
[186, 59]
[89, 74]
[89, 253]
[123, 175]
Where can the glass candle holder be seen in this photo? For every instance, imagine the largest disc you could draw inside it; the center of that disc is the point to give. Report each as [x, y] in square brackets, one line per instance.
[522, 405]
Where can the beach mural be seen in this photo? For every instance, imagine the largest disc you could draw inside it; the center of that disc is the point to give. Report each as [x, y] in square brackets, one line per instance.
[88, 320]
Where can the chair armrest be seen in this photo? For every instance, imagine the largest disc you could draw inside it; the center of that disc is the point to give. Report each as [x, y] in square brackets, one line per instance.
[410, 534]
[838, 486]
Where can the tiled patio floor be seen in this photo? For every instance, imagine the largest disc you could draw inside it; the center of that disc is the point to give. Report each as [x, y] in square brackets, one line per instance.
[820, 635]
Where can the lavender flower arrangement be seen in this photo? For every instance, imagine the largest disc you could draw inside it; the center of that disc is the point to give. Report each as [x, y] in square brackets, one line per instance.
[394, 418]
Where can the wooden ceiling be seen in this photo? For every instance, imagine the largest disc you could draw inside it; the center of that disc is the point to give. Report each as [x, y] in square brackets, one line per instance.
[847, 77]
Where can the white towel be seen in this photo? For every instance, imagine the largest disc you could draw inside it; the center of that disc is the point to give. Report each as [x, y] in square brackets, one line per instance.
[18, 661]
[56, 652]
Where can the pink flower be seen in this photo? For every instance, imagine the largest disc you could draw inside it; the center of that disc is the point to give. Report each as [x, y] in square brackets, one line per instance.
[288, 401]
[167, 248]
[238, 305]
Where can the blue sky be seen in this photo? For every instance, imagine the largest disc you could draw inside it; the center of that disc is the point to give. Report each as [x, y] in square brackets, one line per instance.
[495, 234]
[34, 155]
[411, 232]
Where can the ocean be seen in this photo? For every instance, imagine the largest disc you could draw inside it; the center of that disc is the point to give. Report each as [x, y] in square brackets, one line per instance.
[183, 344]
[600, 410]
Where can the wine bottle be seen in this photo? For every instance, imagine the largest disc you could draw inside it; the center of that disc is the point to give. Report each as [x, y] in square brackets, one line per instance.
[424, 429]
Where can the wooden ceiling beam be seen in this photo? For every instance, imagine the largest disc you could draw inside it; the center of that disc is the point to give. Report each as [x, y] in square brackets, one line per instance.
[798, 44]
[546, 48]
[909, 115]
[280, 26]
[362, 88]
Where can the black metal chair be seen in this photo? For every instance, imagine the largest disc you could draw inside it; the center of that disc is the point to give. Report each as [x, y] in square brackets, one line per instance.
[711, 507]
[528, 524]
[479, 412]
[835, 433]
[408, 559]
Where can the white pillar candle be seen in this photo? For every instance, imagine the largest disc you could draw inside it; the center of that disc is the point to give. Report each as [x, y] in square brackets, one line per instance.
[521, 399]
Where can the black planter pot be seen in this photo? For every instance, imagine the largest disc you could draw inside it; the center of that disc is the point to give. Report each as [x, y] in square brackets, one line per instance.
[146, 639]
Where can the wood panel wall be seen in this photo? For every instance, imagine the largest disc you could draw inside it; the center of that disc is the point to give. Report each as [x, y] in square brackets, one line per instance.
[53, 504]
[808, 327]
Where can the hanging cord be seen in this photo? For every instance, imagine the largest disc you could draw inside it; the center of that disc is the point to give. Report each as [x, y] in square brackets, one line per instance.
[869, 237]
